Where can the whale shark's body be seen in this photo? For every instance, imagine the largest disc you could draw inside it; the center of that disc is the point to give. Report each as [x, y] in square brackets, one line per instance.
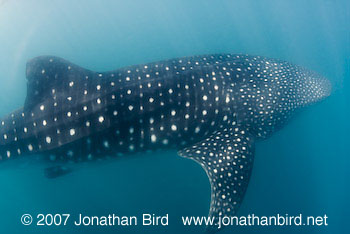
[211, 108]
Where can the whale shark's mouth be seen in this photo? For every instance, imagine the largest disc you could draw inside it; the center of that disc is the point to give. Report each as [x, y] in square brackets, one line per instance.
[326, 89]
[319, 89]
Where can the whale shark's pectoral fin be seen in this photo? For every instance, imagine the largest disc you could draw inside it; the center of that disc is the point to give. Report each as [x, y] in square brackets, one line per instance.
[227, 157]
[56, 171]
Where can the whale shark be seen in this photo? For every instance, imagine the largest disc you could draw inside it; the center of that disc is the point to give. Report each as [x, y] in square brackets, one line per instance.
[210, 108]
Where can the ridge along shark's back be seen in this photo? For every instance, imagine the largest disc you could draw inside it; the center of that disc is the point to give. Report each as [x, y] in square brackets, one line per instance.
[212, 108]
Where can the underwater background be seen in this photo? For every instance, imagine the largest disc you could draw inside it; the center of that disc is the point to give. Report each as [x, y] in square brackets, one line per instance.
[304, 168]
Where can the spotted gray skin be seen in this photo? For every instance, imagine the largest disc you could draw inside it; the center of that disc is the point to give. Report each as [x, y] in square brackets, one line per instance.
[211, 108]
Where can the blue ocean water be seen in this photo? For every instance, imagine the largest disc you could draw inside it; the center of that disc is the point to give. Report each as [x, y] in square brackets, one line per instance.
[303, 168]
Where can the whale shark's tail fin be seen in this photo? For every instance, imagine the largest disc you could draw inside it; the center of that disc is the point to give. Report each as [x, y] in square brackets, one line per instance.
[227, 158]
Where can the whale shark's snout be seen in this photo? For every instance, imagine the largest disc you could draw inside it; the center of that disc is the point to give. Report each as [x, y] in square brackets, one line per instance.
[316, 89]
[324, 87]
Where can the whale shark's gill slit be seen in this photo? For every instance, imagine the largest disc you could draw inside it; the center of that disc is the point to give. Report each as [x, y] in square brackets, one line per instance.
[227, 157]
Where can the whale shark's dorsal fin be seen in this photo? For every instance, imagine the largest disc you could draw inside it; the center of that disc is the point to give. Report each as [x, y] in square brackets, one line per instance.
[55, 89]
[227, 157]
[47, 75]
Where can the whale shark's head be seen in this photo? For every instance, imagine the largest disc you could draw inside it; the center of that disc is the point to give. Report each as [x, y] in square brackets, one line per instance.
[311, 88]
[275, 91]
